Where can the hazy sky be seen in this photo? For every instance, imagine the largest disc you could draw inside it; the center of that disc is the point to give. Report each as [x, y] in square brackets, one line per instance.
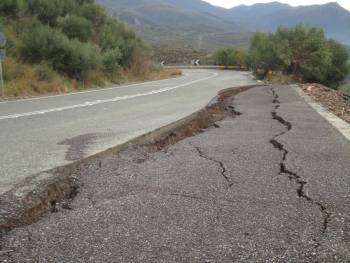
[231, 3]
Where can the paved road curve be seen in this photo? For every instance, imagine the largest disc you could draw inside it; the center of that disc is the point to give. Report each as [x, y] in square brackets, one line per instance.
[270, 185]
[42, 133]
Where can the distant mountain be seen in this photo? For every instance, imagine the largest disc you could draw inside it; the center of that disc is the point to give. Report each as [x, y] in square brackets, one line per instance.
[255, 11]
[175, 16]
[201, 25]
[333, 18]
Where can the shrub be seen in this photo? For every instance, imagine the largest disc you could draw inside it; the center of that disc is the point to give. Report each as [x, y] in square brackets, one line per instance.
[43, 43]
[231, 57]
[76, 27]
[110, 60]
[115, 35]
[11, 7]
[79, 59]
[70, 41]
[93, 13]
[38, 41]
[48, 11]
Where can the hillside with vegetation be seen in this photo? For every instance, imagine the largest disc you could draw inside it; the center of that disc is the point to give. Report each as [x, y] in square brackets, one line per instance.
[62, 45]
[200, 25]
[178, 23]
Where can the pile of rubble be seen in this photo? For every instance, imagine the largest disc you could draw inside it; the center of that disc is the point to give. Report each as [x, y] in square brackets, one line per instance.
[335, 101]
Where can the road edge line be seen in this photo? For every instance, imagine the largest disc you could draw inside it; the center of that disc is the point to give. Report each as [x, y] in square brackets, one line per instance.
[342, 126]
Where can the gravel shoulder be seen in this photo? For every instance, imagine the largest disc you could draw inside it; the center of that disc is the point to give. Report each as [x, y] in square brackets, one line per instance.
[268, 183]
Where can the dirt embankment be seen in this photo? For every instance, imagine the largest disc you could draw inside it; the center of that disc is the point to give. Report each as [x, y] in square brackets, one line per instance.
[335, 101]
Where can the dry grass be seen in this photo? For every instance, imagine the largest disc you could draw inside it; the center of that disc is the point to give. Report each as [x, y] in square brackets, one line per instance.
[24, 80]
[278, 77]
[142, 68]
[28, 80]
[164, 74]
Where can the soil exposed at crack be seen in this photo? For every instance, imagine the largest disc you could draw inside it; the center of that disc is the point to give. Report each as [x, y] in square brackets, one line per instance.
[284, 170]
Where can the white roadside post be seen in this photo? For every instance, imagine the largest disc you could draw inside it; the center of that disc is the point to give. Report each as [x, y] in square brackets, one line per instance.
[2, 89]
[2, 57]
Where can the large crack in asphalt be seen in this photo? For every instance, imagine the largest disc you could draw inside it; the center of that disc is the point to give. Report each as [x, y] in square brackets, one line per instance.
[221, 164]
[293, 176]
[232, 112]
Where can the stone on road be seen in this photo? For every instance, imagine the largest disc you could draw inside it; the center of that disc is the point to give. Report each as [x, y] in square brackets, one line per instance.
[271, 185]
[42, 133]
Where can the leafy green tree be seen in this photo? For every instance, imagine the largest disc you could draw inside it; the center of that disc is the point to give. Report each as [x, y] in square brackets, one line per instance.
[339, 67]
[310, 54]
[76, 27]
[241, 57]
[261, 54]
[303, 52]
[221, 57]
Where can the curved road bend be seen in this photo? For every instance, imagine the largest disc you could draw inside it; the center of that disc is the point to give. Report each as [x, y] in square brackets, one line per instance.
[42, 133]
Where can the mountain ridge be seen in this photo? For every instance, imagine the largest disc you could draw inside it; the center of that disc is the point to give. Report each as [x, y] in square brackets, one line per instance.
[194, 21]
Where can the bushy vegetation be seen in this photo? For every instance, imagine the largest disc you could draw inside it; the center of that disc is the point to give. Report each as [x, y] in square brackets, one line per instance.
[300, 53]
[231, 57]
[67, 43]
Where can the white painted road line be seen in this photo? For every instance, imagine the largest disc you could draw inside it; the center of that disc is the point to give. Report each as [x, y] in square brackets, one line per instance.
[97, 102]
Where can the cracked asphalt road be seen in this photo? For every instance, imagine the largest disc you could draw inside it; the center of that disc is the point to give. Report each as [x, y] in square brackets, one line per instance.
[42, 133]
[269, 185]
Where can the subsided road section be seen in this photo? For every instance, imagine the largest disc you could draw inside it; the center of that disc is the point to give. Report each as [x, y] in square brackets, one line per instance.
[269, 183]
[42, 133]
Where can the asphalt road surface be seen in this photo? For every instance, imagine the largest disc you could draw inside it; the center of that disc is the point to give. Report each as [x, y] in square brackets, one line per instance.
[42, 133]
[271, 185]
